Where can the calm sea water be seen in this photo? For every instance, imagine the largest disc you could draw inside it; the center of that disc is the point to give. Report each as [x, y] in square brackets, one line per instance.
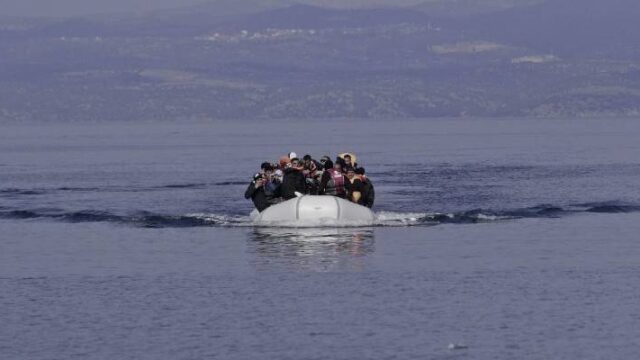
[496, 239]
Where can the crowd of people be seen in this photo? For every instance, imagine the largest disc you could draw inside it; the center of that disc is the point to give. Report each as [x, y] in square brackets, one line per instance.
[292, 177]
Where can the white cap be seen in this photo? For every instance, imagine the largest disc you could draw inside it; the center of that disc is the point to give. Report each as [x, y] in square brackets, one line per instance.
[292, 155]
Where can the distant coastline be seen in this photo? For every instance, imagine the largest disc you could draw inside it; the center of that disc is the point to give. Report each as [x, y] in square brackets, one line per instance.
[311, 62]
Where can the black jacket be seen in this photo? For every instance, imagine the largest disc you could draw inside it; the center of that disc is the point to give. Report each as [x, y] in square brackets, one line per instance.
[292, 181]
[359, 186]
[258, 196]
[368, 194]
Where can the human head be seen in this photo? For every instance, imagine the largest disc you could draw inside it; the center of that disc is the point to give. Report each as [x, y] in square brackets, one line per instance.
[265, 166]
[284, 161]
[295, 162]
[360, 171]
[306, 158]
[347, 159]
[338, 165]
[266, 169]
[328, 164]
[350, 172]
[292, 155]
[323, 161]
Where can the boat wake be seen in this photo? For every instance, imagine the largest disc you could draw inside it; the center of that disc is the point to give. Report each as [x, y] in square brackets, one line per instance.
[487, 215]
[140, 219]
[383, 218]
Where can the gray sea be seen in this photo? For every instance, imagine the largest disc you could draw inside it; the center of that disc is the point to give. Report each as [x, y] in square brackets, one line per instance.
[496, 239]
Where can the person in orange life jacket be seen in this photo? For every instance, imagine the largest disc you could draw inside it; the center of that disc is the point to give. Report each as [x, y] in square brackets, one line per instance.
[368, 193]
[261, 190]
[293, 180]
[356, 186]
[333, 181]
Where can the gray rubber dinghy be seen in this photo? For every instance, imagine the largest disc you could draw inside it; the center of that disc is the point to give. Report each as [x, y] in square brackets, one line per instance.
[314, 211]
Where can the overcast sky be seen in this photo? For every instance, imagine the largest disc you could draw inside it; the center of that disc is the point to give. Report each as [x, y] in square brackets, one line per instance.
[80, 7]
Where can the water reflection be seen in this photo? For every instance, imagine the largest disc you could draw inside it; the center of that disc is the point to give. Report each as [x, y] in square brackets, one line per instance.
[311, 249]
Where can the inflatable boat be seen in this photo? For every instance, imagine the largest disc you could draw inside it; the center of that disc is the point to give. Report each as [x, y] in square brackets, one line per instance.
[314, 211]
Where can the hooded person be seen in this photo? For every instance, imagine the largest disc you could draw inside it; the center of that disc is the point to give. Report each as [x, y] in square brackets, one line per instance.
[333, 181]
[293, 181]
[349, 159]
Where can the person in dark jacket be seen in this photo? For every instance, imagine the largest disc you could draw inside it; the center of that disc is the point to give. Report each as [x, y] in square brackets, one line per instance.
[368, 193]
[293, 180]
[262, 191]
[333, 181]
[356, 186]
[255, 192]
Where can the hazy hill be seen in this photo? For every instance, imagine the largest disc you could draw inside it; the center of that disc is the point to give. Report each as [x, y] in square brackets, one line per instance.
[203, 19]
[464, 8]
[313, 17]
[236, 60]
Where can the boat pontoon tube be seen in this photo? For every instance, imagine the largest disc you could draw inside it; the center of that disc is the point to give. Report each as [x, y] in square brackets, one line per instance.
[314, 210]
